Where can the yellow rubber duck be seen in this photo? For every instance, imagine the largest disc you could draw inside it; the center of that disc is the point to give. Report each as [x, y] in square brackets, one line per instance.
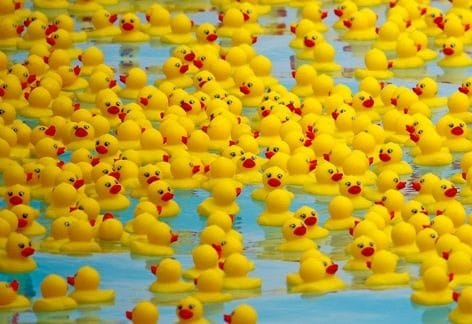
[327, 177]
[10, 299]
[351, 187]
[181, 30]
[204, 257]
[376, 65]
[58, 236]
[362, 250]
[388, 35]
[27, 224]
[324, 58]
[189, 310]
[134, 81]
[10, 36]
[299, 29]
[425, 240]
[158, 19]
[144, 312]
[403, 236]
[343, 11]
[84, 7]
[310, 218]
[168, 278]
[340, 210]
[461, 313]
[209, 286]
[81, 238]
[383, 265]
[34, 35]
[236, 268]
[436, 288]
[130, 27]
[85, 282]
[54, 295]
[224, 194]
[318, 275]
[360, 25]
[241, 314]
[17, 258]
[453, 49]
[103, 25]
[294, 232]
[232, 21]
[159, 239]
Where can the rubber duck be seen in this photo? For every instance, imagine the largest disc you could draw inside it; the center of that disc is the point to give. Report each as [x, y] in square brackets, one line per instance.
[27, 224]
[9, 297]
[109, 190]
[18, 255]
[209, 286]
[204, 257]
[403, 236]
[303, 76]
[318, 275]
[311, 39]
[54, 295]
[12, 91]
[103, 24]
[436, 288]
[351, 187]
[84, 8]
[168, 278]
[383, 265]
[144, 312]
[134, 81]
[294, 232]
[130, 27]
[427, 89]
[158, 19]
[161, 194]
[242, 313]
[362, 250]
[453, 26]
[453, 49]
[457, 103]
[233, 20]
[85, 282]
[425, 240]
[34, 35]
[189, 310]
[273, 178]
[340, 210]
[343, 11]
[277, 208]
[17, 194]
[310, 218]
[390, 156]
[424, 186]
[327, 177]
[81, 238]
[461, 313]
[181, 30]
[388, 35]
[459, 263]
[107, 148]
[78, 135]
[455, 132]
[71, 80]
[159, 238]
[249, 169]
[12, 31]
[61, 197]
[376, 65]
[175, 71]
[299, 29]
[324, 58]
[361, 25]
[432, 152]
[59, 234]
[236, 268]
[224, 194]
[63, 21]
[252, 90]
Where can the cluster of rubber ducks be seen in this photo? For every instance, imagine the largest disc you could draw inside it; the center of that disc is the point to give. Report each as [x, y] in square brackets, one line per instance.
[74, 138]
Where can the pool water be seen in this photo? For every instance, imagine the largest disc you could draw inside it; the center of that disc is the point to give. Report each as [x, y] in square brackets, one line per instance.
[130, 276]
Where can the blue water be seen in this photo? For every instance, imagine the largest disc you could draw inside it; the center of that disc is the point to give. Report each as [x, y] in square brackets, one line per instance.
[130, 277]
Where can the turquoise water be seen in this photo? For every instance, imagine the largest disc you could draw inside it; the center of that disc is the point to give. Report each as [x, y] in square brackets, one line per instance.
[130, 277]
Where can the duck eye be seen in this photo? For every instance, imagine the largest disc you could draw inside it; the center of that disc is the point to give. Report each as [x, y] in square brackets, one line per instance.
[360, 245]
[108, 184]
[21, 245]
[389, 151]
[292, 225]
[146, 174]
[160, 191]
[269, 175]
[348, 183]
[191, 306]
[280, 175]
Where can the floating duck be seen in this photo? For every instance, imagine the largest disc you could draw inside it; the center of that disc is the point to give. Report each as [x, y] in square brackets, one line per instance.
[27, 224]
[299, 29]
[158, 19]
[361, 25]
[209, 287]
[249, 169]
[457, 104]
[108, 190]
[310, 40]
[130, 30]
[9, 297]
[233, 20]
[340, 210]
[190, 310]
[388, 35]
[159, 238]
[343, 11]
[294, 232]
[168, 278]
[425, 240]
[277, 208]
[242, 313]
[327, 177]
[390, 157]
[17, 258]
[174, 70]
[58, 236]
[453, 49]
[383, 275]
[204, 257]
[424, 186]
[103, 25]
[362, 250]
[161, 194]
[224, 194]
[12, 31]
[310, 218]
[436, 288]
[324, 58]
[81, 238]
[84, 8]
[432, 152]
[303, 76]
[403, 236]
[455, 132]
[85, 282]
[376, 65]
[273, 178]
[318, 276]
[427, 89]
[61, 197]
[54, 295]
[351, 187]
[181, 30]
[134, 81]
[236, 267]
[143, 312]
